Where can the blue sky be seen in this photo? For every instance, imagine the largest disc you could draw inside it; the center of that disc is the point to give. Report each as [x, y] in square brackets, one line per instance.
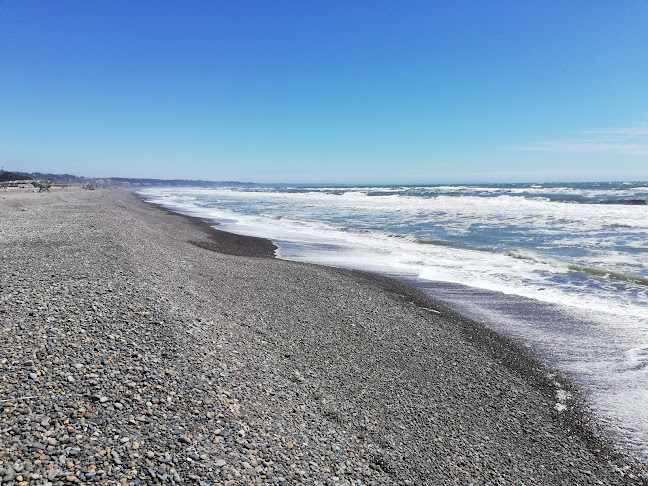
[326, 91]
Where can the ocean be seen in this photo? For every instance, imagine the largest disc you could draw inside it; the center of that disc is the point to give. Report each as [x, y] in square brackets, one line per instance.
[560, 268]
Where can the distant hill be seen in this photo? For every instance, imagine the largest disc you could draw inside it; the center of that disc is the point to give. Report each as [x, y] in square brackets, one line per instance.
[119, 181]
[13, 176]
[174, 182]
[63, 178]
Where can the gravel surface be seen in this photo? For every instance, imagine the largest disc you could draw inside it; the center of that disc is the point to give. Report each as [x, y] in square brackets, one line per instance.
[131, 353]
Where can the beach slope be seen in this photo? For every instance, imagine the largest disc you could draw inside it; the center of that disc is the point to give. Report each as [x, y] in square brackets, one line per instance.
[139, 346]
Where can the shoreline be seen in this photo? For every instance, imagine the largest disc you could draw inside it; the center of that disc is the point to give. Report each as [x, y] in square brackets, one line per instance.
[228, 243]
[574, 414]
[307, 373]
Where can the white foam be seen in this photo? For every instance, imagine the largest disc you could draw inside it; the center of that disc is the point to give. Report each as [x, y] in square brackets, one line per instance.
[516, 272]
[562, 396]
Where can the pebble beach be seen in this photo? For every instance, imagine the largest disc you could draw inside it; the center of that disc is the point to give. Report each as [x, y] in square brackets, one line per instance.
[139, 347]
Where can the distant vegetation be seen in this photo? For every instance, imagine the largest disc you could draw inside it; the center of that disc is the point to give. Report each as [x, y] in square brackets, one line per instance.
[13, 176]
[114, 181]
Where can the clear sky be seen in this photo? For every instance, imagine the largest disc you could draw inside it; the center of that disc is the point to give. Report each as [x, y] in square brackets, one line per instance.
[326, 90]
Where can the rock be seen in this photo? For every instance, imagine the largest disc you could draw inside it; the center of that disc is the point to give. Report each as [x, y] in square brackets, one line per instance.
[115, 457]
[52, 473]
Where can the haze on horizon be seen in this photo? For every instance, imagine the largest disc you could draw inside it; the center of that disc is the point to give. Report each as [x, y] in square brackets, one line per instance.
[335, 91]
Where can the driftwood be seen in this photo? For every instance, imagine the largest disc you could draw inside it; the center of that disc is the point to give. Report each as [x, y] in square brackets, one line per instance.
[44, 186]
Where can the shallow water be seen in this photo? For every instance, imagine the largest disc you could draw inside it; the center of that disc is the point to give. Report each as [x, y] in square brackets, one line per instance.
[562, 268]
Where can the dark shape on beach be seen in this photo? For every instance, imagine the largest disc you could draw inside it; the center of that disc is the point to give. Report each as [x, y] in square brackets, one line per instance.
[231, 243]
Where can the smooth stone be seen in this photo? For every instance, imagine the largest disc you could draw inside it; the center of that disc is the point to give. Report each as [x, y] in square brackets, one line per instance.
[116, 457]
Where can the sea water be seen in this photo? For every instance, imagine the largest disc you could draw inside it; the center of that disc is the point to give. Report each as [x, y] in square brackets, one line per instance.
[561, 268]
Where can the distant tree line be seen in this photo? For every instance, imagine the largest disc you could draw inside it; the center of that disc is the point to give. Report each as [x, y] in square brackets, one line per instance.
[114, 181]
[5, 176]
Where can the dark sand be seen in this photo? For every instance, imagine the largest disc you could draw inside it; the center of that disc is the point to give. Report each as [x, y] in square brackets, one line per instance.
[132, 352]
